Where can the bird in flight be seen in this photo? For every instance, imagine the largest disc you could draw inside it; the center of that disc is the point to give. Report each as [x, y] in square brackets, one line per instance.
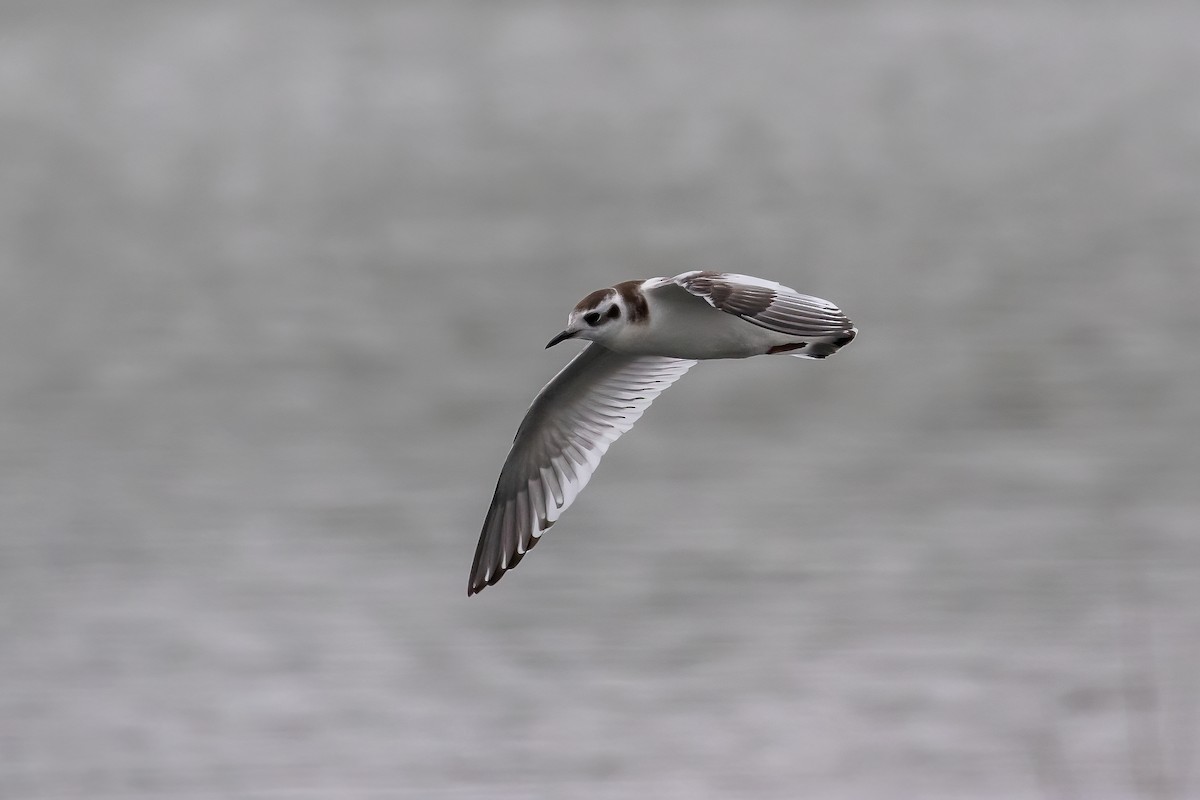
[644, 334]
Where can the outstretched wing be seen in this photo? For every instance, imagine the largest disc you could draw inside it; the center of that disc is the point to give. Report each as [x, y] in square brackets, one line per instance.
[768, 304]
[586, 407]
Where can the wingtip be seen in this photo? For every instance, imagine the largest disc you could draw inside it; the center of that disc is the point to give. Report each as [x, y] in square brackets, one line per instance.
[475, 587]
[480, 581]
[477, 584]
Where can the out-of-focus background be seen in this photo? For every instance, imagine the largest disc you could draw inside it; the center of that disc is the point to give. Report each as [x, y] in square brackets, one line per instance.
[276, 281]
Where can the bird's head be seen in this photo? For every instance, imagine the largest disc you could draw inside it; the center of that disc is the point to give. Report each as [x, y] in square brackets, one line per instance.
[599, 317]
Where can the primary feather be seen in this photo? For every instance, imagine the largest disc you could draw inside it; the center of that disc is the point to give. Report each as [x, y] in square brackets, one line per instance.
[586, 407]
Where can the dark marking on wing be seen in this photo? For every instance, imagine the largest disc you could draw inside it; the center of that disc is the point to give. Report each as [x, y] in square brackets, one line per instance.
[768, 304]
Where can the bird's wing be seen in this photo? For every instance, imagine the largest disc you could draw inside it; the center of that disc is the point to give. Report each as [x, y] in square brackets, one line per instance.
[586, 407]
[765, 303]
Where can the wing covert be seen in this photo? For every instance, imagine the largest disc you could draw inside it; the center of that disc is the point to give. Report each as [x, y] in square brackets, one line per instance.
[766, 303]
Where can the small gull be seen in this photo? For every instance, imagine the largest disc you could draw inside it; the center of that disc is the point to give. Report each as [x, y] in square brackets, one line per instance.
[645, 334]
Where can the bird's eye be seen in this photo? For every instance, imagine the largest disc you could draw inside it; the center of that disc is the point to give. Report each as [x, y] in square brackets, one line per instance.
[591, 318]
[614, 312]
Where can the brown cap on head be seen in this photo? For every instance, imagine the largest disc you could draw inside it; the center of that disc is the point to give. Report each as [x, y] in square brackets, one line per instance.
[594, 299]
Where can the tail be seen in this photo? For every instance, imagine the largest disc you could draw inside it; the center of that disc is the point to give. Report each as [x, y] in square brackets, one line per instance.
[823, 348]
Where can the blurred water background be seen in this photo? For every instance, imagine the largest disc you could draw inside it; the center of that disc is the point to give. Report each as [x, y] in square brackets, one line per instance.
[276, 280]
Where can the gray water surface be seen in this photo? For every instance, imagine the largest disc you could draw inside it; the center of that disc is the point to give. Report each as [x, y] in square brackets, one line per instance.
[276, 280]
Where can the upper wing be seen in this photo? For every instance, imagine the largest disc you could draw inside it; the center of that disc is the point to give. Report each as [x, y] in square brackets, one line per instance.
[585, 408]
[767, 304]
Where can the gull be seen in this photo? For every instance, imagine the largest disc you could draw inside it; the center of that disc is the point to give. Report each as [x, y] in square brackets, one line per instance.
[644, 334]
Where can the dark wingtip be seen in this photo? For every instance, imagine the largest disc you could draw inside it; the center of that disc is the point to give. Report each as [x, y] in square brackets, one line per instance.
[477, 585]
